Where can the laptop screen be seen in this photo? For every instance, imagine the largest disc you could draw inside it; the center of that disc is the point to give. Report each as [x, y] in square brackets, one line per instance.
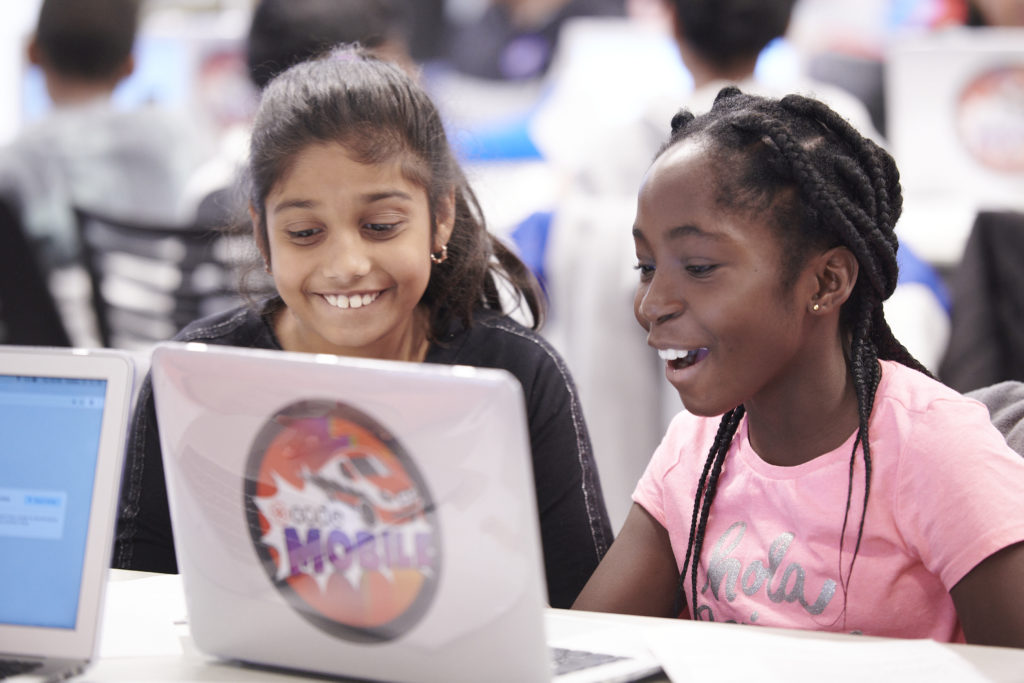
[48, 457]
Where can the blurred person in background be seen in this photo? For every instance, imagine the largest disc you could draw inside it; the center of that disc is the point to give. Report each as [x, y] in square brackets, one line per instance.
[125, 163]
[516, 39]
[995, 13]
[283, 33]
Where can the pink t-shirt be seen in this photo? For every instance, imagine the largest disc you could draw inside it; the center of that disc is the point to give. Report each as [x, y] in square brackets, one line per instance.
[946, 492]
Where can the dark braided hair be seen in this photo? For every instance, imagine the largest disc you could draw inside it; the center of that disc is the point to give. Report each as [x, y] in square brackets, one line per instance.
[822, 185]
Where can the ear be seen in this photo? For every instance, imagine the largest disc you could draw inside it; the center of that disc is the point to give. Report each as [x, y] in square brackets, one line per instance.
[445, 221]
[671, 14]
[836, 272]
[126, 69]
[35, 55]
[259, 236]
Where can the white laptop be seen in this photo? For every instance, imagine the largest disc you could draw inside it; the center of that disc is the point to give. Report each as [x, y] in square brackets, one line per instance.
[63, 420]
[357, 518]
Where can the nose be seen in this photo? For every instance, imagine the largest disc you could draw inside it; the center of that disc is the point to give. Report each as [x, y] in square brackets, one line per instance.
[657, 301]
[347, 257]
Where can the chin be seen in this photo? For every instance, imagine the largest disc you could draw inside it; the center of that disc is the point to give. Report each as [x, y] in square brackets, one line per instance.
[703, 409]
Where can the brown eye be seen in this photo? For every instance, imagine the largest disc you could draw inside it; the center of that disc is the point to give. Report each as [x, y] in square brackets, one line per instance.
[303, 236]
[702, 270]
[646, 271]
[380, 230]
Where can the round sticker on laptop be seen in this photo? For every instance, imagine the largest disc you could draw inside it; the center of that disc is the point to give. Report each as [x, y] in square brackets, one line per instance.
[343, 521]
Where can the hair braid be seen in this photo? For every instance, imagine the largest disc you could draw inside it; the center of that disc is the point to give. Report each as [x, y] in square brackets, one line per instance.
[702, 505]
[866, 375]
[819, 194]
[874, 178]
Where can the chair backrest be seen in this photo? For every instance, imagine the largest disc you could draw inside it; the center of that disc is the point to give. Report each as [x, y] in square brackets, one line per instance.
[28, 313]
[149, 281]
[986, 343]
[1005, 403]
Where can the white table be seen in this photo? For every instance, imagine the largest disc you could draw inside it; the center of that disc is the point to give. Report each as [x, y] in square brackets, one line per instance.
[781, 654]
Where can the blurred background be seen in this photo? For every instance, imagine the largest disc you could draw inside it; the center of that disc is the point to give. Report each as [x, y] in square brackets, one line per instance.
[544, 100]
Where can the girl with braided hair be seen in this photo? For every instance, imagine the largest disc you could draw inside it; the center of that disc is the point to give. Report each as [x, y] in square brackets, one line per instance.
[819, 478]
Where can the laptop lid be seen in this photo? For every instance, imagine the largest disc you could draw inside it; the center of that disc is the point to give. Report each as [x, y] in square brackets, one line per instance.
[369, 519]
[63, 415]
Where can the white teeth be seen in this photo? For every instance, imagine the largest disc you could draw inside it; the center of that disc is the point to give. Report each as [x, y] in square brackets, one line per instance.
[672, 354]
[354, 301]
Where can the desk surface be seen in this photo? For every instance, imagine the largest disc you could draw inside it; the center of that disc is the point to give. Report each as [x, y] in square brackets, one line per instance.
[688, 650]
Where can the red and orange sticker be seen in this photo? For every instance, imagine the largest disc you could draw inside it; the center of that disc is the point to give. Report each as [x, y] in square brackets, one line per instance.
[343, 521]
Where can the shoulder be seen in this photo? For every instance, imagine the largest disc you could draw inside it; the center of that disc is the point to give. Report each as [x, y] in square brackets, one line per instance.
[688, 432]
[687, 435]
[674, 469]
[495, 340]
[35, 144]
[241, 326]
[907, 390]
[935, 424]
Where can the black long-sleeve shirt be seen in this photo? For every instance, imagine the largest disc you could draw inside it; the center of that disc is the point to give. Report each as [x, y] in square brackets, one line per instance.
[574, 525]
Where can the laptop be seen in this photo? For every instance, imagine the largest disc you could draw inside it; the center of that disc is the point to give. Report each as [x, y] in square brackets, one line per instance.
[357, 518]
[63, 416]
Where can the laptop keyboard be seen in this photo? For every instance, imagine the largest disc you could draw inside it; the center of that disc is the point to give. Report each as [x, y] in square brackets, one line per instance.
[566, 660]
[16, 667]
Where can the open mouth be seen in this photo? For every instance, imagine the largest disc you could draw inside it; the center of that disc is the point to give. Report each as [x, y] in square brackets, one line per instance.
[678, 359]
[353, 301]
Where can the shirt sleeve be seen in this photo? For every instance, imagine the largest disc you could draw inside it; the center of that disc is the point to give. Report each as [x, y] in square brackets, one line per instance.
[960, 489]
[144, 540]
[651, 492]
[574, 524]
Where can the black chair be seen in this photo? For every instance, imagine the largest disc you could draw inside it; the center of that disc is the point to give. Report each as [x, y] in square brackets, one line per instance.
[28, 313]
[149, 281]
[986, 343]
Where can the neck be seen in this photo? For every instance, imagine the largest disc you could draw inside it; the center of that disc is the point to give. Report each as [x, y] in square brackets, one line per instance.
[704, 72]
[814, 413]
[65, 91]
[531, 14]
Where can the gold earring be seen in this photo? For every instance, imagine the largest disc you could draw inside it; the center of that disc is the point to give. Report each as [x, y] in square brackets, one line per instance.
[815, 308]
[441, 256]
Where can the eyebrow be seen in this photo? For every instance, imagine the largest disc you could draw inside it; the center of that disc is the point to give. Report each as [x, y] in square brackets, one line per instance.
[368, 198]
[681, 231]
[294, 204]
[387, 194]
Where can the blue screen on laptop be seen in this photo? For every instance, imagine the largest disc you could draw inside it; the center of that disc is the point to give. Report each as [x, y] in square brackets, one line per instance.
[50, 431]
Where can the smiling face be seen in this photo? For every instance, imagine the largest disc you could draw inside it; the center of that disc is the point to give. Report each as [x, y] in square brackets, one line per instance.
[711, 292]
[349, 246]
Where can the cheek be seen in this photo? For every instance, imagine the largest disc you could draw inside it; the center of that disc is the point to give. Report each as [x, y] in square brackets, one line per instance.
[638, 298]
[284, 267]
[413, 270]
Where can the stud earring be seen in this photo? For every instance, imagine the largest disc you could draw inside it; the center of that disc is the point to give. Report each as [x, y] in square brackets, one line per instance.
[815, 308]
[441, 256]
